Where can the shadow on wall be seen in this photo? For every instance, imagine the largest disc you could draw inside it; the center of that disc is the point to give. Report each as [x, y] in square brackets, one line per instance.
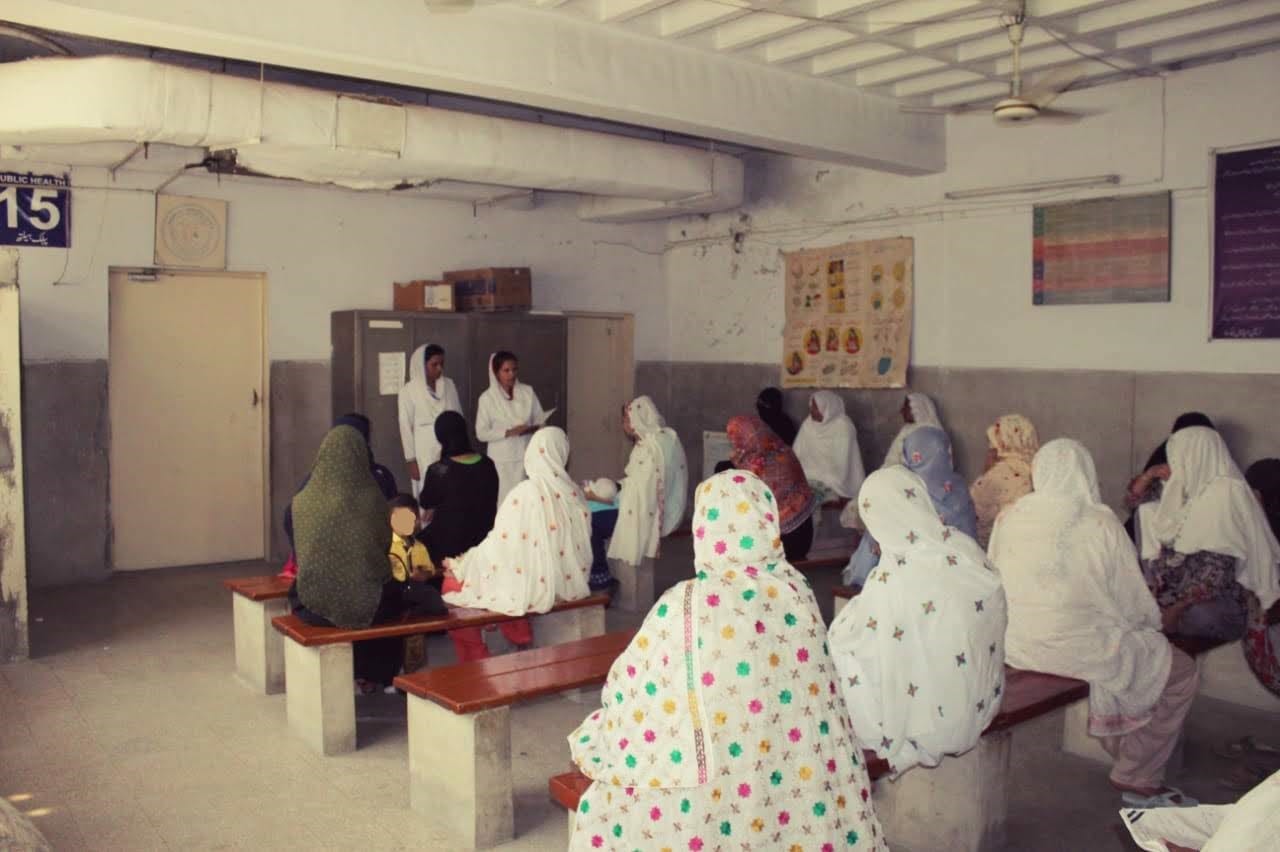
[1119, 416]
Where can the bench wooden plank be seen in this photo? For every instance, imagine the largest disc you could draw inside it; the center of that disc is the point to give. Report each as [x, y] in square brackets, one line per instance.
[310, 636]
[821, 560]
[446, 680]
[263, 588]
[847, 592]
[1031, 694]
[502, 690]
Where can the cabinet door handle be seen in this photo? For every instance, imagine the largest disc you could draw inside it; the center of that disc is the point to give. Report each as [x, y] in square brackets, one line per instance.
[255, 397]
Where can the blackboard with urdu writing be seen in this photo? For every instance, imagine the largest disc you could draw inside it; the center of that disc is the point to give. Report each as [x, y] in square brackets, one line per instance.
[1246, 244]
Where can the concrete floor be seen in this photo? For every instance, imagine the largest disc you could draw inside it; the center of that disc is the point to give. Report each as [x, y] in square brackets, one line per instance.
[127, 730]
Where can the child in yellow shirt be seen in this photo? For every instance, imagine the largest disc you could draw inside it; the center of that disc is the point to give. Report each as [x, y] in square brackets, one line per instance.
[409, 557]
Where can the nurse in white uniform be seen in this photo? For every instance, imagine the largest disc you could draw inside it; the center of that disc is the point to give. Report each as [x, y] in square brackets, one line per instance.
[428, 394]
[506, 418]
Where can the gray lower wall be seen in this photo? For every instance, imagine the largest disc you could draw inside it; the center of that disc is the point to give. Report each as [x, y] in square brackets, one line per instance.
[1119, 416]
[300, 416]
[65, 430]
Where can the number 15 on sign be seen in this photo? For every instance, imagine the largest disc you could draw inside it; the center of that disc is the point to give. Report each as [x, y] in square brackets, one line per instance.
[34, 210]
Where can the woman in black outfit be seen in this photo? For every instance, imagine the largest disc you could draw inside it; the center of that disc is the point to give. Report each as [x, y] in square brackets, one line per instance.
[461, 492]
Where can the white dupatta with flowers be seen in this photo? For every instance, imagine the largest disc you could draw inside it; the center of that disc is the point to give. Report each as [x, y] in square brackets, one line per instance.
[539, 549]
[721, 722]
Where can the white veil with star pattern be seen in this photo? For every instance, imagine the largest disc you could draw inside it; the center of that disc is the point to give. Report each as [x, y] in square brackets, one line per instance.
[920, 651]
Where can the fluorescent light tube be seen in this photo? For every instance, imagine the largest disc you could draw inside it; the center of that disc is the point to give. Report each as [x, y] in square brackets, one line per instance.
[1069, 183]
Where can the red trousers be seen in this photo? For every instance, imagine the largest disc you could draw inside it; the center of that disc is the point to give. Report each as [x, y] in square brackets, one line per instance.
[468, 642]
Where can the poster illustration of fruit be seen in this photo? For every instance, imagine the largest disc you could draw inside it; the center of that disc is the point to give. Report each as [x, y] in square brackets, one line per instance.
[848, 315]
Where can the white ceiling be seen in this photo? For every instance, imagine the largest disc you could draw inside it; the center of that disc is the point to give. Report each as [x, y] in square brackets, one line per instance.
[942, 52]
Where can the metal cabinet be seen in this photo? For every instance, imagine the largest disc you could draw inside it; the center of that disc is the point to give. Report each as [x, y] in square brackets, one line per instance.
[541, 341]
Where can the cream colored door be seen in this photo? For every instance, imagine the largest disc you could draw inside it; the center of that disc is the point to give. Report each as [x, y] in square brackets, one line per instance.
[187, 402]
[601, 380]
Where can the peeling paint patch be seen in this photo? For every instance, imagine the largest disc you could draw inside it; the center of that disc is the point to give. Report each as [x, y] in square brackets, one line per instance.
[821, 173]
[6, 444]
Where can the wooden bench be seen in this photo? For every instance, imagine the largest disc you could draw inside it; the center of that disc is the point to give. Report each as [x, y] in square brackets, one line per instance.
[319, 695]
[259, 648]
[460, 729]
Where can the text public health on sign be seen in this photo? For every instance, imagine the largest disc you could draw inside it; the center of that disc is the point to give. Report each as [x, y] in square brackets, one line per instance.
[35, 210]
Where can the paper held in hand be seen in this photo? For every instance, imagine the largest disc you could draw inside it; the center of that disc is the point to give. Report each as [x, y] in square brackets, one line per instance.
[546, 416]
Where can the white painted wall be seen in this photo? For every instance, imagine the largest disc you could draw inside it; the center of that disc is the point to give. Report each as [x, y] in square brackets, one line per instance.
[14, 644]
[973, 259]
[327, 249]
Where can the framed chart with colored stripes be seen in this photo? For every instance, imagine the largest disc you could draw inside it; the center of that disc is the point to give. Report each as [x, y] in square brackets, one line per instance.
[1101, 251]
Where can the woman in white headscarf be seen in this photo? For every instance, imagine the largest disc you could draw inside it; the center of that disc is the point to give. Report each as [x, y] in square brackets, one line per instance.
[654, 490]
[538, 552]
[827, 447]
[507, 414]
[917, 410]
[1078, 607]
[428, 394]
[718, 726]
[920, 651]
[540, 546]
[1208, 551]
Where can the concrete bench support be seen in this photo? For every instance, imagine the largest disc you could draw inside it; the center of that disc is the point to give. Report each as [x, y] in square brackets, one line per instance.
[460, 771]
[259, 648]
[321, 701]
[1226, 676]
[961, 805]
[635, 585]
[1076, 738]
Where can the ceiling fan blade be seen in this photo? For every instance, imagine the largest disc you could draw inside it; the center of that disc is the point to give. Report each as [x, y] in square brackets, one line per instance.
[1064, 116]
[1057, 81]
[961, 109]
[450, 5]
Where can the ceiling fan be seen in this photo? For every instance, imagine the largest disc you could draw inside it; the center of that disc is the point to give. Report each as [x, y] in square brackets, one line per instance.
[1022, 104]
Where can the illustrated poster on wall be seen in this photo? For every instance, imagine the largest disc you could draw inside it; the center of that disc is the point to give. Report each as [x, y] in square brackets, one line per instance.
[848, 315]
[1246, 244]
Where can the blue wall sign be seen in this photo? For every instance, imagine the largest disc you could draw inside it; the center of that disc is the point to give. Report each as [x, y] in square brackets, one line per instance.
[35, 210]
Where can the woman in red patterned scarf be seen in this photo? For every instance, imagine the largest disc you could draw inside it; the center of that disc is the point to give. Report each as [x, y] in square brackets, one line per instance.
[756, 448]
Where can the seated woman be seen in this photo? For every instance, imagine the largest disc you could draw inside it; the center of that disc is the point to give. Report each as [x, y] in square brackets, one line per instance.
[342, 538]
[769, 409]
[539, 550]
[1078, 607]
[917, 411]
[459, 502]
[926, 453]
[1012, 443]
[385, 479]
[717, 722]
[1262, 641]
[652, 495]
[920, 652]
[827, 447]
[1146, 485]
[758, 450]
[1208, 552]
[459, 492]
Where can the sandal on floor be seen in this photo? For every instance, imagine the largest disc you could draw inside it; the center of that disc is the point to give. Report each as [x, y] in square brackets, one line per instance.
[1245, 746]
[1170, 797]
[1241, 779]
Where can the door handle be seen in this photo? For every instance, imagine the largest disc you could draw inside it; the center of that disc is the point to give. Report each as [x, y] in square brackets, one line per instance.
[255, 398]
